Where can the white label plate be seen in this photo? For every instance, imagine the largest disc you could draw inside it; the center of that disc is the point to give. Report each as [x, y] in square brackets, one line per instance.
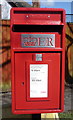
[38, 80]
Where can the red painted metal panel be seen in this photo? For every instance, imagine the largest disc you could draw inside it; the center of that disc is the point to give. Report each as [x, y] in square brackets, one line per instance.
[22, 75]
[31, 21]
[30, 16]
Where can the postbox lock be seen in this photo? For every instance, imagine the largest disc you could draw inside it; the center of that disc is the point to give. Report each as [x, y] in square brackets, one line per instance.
[22, 83]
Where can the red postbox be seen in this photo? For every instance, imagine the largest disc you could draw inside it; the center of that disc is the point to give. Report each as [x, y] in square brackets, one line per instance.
[37, 57]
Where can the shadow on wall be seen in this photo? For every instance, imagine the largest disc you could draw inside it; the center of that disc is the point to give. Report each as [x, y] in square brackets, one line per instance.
[6, 56]
[68, 77]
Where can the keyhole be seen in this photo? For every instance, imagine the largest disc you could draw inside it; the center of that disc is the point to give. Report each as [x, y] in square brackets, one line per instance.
[22, 83]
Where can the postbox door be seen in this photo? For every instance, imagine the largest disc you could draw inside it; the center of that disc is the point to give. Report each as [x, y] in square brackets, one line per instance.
[37, 90]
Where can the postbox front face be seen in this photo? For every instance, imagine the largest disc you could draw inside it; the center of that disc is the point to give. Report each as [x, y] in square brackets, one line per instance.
[38, 51]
